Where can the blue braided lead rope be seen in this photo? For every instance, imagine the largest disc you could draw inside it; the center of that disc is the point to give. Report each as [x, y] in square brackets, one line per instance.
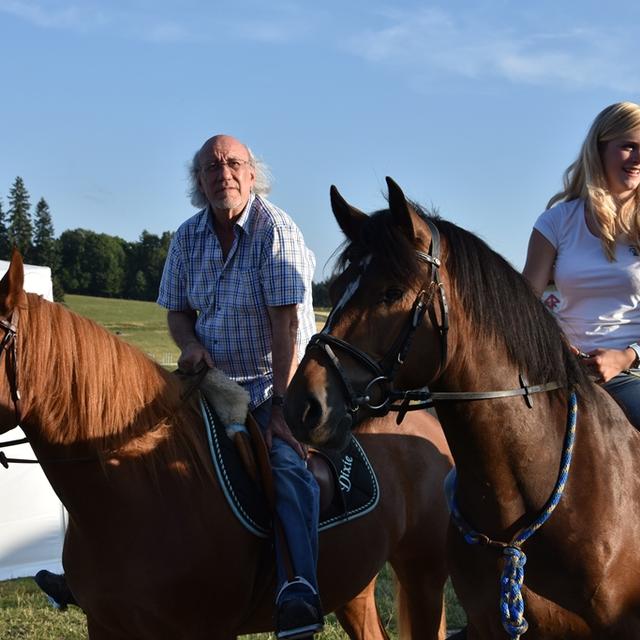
[512, 577]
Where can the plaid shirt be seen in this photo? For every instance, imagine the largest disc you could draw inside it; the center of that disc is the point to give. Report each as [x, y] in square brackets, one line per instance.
[268, 265]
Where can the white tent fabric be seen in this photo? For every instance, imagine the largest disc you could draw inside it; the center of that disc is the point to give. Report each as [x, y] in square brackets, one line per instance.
[32, 521]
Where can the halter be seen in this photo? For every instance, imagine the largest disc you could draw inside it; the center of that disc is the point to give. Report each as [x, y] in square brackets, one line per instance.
[384, 370]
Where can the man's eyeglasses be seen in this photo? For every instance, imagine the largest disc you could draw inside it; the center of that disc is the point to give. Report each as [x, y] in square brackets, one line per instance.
[234, 164]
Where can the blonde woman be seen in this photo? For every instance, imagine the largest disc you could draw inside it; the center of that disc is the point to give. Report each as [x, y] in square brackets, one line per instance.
[588, 242]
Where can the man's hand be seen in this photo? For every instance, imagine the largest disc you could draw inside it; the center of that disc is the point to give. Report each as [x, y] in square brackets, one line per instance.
[278, 427]
[192, 357]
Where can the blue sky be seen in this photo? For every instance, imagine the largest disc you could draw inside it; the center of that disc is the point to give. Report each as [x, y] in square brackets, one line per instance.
[474, 107]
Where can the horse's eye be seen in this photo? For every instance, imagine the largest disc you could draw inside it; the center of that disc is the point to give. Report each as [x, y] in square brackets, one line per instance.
[392, 295]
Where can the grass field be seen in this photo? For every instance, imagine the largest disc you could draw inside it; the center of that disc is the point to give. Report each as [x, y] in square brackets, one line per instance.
[26, 615]
[24, 612]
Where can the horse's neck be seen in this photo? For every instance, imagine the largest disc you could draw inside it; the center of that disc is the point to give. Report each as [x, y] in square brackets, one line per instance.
[86, 474]
[507, 454]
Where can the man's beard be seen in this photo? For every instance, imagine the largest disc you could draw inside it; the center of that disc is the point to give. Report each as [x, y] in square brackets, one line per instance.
[227, 201]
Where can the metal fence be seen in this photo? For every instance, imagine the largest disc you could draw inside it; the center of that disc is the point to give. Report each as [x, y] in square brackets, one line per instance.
[166, 359]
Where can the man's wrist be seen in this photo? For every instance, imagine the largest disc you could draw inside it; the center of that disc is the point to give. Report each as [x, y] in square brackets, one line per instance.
[277, 400]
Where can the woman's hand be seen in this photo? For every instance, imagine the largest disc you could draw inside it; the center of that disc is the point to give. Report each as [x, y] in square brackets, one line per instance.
[608, 363]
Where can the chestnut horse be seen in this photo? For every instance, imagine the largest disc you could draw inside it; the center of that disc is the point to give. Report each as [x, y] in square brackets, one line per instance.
[152, 550]
[421, 302]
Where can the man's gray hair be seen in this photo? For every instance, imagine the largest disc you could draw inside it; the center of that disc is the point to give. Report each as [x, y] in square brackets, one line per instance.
[261, 185]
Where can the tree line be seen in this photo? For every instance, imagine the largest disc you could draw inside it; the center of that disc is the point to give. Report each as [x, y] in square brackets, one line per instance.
[86, 262]
[82, 261]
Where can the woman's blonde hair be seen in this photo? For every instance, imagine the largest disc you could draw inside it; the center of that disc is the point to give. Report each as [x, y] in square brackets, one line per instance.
[586, 179]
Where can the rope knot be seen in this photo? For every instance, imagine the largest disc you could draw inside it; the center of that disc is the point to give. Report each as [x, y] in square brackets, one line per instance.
[511, 602]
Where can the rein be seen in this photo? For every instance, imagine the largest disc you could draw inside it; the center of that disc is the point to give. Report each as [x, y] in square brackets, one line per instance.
[512, 578]
[383, 371]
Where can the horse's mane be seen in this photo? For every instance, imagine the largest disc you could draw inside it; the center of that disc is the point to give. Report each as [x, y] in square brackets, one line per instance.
[499, 301]
[94, 387]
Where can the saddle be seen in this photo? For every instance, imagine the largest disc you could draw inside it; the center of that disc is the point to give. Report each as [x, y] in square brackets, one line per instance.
[348, 485]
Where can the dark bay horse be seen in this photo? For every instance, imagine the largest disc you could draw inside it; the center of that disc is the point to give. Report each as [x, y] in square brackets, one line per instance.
[421, 302]
[152, 550]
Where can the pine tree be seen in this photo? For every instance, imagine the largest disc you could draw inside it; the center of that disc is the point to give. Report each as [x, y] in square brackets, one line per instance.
[20, 228]
[5, 243]
[44, 251]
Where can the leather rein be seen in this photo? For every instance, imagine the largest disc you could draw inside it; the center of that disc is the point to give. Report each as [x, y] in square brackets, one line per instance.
[384, 370]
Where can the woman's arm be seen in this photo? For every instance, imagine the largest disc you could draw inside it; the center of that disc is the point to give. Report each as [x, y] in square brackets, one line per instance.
[541, 256]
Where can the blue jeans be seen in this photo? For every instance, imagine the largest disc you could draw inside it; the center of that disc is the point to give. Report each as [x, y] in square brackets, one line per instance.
[297, 506]
[625, 390]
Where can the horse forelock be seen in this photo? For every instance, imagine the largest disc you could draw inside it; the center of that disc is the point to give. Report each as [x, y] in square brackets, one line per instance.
[386, 242]
[87, 386]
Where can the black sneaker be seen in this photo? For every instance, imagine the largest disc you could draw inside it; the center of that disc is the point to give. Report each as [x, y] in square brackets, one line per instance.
[55, 586]
[297, 618]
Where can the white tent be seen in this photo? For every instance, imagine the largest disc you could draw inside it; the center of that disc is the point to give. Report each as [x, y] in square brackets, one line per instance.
[33, 521]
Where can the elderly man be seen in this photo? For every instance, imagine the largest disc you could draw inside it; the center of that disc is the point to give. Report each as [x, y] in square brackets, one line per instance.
[237, 286]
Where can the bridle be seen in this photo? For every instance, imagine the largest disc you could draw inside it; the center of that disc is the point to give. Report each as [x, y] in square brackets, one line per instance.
[384, 371]
[9, 349]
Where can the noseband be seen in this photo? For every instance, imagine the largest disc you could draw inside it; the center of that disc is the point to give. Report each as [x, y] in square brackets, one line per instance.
[384, 371]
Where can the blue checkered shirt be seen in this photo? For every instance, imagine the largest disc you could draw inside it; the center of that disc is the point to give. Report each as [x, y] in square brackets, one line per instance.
[268, 265]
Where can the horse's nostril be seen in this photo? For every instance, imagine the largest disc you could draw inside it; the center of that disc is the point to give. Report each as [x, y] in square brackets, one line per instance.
[312, 414]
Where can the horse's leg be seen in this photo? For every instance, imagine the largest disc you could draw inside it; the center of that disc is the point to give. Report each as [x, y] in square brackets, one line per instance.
[420, 599]
[360, 618]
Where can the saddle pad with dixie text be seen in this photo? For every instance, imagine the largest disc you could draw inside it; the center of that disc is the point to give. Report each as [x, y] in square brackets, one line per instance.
[358, 493]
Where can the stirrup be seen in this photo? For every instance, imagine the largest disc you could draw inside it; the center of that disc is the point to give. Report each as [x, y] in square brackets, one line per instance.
[300, 617]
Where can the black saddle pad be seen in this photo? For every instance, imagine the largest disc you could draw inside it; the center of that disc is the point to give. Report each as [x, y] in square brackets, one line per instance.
[358, 493]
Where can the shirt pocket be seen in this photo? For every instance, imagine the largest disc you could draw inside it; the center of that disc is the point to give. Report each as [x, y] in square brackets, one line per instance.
[201, 292]
[248, 297]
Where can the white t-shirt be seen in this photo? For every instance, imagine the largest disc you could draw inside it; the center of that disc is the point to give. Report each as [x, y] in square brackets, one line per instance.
[600, 299]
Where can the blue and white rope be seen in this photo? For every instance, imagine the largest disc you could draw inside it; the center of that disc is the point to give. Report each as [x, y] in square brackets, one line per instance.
[512, 578]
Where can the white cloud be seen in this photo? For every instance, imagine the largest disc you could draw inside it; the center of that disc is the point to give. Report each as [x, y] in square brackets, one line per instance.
[75, 17]
[436, 41]
[129, 19]
[167, 32]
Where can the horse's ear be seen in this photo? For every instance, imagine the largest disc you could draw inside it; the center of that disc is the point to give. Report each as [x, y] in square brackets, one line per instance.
[12, 283]
[402, 213]
[349, 218]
